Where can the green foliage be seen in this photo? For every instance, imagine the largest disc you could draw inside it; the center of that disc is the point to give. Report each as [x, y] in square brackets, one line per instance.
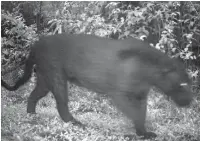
[82, 17]
[172, 27]
[16, 39]
[174, 31]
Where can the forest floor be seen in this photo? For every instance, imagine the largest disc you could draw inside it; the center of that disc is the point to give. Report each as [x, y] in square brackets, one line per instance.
[103, 121]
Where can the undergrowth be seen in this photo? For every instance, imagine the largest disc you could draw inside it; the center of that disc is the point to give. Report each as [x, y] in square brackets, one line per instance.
[101, 119]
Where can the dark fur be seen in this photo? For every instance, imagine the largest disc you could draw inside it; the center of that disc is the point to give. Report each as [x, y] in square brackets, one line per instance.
[123, 69]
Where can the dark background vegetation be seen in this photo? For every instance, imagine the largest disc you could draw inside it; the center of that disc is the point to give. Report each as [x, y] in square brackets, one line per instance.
[171, 27]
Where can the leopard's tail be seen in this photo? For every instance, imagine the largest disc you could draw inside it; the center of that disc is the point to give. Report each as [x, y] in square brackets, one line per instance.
[26, 76]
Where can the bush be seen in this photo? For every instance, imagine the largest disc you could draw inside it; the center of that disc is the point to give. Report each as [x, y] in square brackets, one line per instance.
[16, 39]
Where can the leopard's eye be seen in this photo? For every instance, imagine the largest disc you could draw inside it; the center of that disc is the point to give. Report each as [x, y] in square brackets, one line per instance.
[183, 84]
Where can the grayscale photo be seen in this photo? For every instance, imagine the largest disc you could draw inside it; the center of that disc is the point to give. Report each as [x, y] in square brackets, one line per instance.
[100, 71]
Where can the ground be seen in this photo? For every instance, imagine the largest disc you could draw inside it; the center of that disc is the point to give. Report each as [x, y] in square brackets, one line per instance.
[103, 121]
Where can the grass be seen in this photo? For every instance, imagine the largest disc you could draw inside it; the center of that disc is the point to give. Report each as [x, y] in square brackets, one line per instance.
[103, 122]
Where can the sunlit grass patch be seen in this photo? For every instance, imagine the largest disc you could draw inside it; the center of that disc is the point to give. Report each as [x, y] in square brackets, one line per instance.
[103, 121]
